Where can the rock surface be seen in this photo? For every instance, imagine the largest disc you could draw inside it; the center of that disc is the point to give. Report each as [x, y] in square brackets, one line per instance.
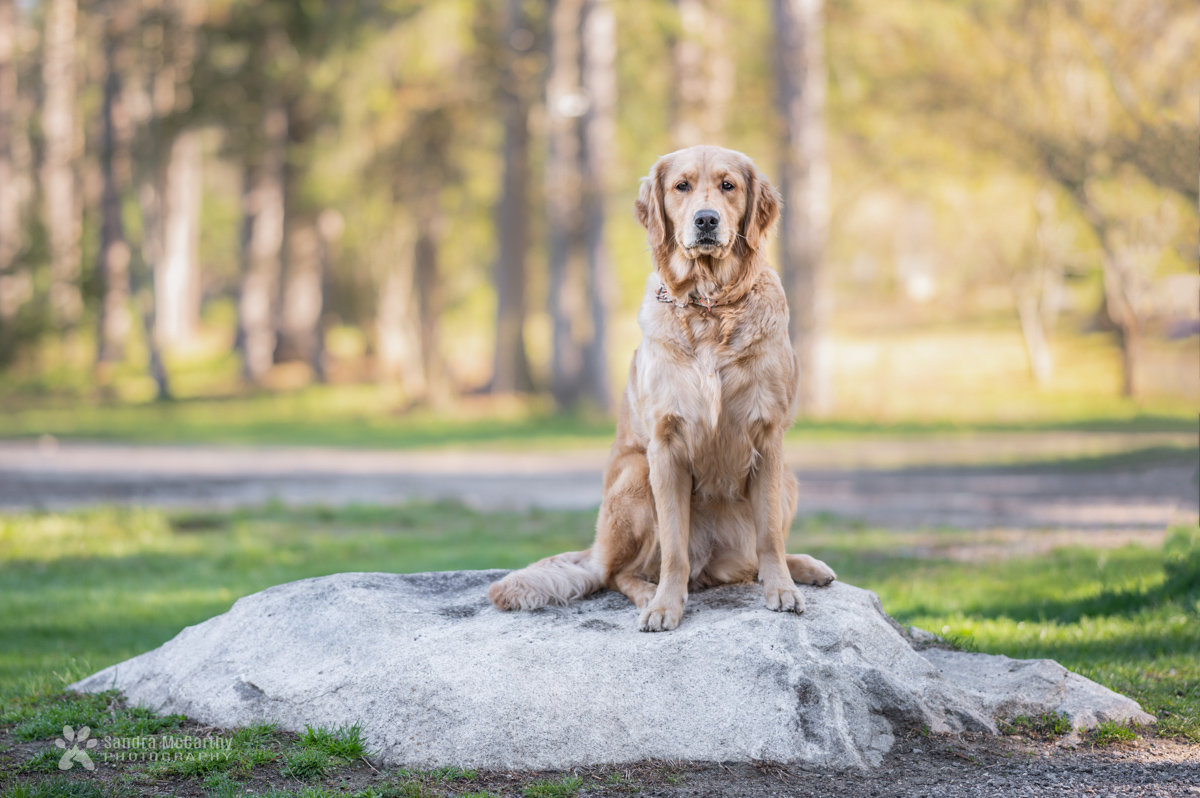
[437, 676]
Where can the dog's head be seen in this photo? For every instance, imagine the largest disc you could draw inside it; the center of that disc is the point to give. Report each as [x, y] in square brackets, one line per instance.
[706, 202]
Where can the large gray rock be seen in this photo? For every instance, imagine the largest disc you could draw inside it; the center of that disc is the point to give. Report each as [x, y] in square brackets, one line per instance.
[437, 676]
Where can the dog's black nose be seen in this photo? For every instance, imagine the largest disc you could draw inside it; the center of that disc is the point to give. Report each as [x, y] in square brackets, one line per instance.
[706, 221]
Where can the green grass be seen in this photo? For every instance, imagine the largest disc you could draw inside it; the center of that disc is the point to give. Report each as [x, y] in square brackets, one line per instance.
[56, 788]
[1109, 732]
[353, 416]
[345, 742]
[41, 717]
[1047, 726]
[44, 761]
[82, 590]
[566, 787]
[306, 763]
[369, 416]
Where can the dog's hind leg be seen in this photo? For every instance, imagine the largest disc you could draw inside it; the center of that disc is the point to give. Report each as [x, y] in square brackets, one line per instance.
[625, 542]
[804, 569]
[809, 570]
[637, 589]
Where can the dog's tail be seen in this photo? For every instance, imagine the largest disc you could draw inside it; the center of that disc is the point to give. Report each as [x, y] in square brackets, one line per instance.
[554, 580]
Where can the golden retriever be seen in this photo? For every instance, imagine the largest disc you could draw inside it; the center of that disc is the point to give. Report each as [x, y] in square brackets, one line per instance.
[696, 492]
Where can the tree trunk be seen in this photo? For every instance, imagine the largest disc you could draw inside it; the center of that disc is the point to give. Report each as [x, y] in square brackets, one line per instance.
[565, 102]
[703, 75]
[262, 247]
[15, 285]
[60, 204]
[177, 279]
[396, 337]
[10, 219]
[113, 323]
[1041, 363]
[427, 285]
[330, 226]
[599, 132]
[148, 105]
[1120, 284]
[1037, 288]
[303, 295]
[804, 183]
[150, 201]
[510, 362]
[1119, 299]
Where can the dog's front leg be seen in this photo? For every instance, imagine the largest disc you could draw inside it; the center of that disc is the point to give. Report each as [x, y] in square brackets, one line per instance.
[765, 485]
[671, 483]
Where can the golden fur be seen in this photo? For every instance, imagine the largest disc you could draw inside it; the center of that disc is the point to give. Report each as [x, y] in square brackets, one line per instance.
[696, 492]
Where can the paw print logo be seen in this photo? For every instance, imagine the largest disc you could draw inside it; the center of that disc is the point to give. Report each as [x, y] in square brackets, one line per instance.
[75, 753]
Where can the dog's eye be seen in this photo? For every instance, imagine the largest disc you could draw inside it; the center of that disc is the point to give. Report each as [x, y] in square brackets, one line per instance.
[683, 185]
[726, 185]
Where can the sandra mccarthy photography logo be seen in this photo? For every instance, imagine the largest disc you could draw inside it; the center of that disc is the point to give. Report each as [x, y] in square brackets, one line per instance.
[167, 748]
[74, 754]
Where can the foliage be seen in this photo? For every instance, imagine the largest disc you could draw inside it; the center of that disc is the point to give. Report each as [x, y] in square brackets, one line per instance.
[947, 123]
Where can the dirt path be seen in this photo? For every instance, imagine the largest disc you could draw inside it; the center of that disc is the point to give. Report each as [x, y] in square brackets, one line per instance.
[950, 767]
[892, 483]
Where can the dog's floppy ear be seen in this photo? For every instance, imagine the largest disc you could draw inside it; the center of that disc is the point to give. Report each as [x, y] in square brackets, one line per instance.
[762, 209]
[649, 208]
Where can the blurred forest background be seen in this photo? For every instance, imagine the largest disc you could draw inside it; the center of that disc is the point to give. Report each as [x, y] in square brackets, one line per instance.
[990, 205]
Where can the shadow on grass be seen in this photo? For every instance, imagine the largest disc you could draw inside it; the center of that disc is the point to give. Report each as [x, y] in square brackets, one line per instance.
[1108, 603]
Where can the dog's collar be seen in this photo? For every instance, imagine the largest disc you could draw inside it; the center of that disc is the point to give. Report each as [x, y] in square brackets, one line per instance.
[699, 300]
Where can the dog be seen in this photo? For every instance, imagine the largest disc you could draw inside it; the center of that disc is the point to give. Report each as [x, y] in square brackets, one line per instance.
[696, 493]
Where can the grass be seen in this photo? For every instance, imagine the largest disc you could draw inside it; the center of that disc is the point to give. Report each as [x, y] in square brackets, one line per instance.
[56, 788]
[1048, 726]
[81, 590]
[37, 717]
[306, 763]
[345, 742]
[1110, 731]
[349, 416]
[321, 417]
[566, 787]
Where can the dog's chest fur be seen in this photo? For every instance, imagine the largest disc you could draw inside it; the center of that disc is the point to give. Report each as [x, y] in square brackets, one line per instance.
[730, 374]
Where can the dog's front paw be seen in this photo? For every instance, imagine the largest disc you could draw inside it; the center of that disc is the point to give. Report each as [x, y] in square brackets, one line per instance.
[785, 599]
[660, 617]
